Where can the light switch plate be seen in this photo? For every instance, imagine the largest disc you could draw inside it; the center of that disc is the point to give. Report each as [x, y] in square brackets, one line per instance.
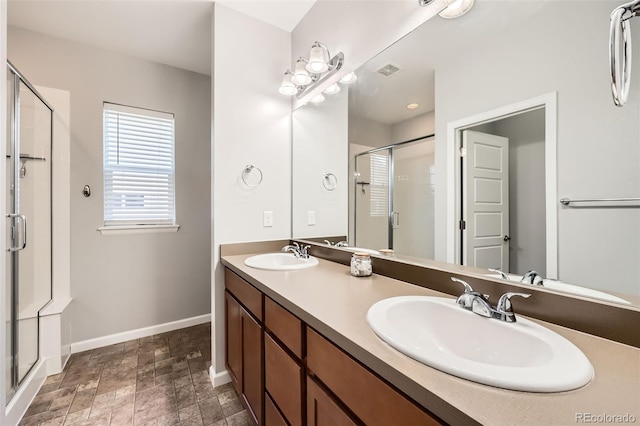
[311, 217]
[267, 219]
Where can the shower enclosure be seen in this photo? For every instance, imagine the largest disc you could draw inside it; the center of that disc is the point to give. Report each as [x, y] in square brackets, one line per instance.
[28, 220]
[394, 193]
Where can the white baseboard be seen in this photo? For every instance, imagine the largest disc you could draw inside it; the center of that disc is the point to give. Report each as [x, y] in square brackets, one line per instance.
[112, 339]
[219, 379]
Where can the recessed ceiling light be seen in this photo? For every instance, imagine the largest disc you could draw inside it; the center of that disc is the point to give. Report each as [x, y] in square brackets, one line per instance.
[413, 106]
[457, 9]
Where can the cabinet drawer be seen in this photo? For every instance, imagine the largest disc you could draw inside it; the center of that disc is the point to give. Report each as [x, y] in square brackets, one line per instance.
[322, 410]
[371, 399]
[284, 325]
[272, 416]
[283, 380]
[246, 294]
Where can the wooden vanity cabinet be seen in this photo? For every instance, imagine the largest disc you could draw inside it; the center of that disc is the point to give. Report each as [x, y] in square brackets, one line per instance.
[322, 409]
[287, 374]
[284, 370]
[244, 349]
[372, 400]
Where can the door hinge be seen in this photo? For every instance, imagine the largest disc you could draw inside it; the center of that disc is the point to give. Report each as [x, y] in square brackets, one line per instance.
[463, 225]
[463, 151]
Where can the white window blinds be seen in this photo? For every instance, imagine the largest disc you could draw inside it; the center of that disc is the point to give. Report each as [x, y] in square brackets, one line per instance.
[139, 166]
[379, 188]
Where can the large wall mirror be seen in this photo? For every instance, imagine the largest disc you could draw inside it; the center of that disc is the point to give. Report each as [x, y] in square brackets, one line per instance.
[458, 141]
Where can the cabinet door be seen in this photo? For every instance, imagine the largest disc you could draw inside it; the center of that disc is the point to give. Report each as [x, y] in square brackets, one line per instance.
[369, 398]
[284, 381]
[322, 410]
[272, 416]
[252, 390]
[233, 340]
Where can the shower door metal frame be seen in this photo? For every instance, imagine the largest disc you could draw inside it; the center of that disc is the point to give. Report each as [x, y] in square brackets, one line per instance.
[15, 216]
[390, 218]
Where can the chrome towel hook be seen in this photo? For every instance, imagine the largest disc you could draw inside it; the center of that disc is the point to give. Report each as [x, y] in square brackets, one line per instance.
[620, 50]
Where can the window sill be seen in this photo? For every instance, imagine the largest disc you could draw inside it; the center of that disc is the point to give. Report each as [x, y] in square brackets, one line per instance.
[137, 229]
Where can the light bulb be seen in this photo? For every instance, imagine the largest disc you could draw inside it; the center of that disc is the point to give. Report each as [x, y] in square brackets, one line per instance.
[332, 90]
[349, 78]
[300, 76]
[287, 88]
[317, 98]
[413, 106]
[317, 62]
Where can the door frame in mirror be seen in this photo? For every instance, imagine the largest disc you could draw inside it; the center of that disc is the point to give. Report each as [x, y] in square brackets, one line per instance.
[454, 142]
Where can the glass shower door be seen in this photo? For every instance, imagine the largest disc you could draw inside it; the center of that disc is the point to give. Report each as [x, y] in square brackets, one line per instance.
[29, 224]
[412, 218]
[372, 199]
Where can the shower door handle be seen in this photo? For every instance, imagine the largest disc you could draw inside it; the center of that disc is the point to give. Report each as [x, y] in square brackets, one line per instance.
[395, 221]
[19, 218]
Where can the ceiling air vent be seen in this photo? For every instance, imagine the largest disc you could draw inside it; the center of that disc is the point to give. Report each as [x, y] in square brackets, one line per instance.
[388, 69]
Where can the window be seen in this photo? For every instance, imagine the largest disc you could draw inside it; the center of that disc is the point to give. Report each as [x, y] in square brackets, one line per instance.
[139, 166]
[378, 201]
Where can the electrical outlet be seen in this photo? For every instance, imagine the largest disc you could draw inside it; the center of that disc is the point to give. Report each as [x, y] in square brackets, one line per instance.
[311, 217]
[267, 219]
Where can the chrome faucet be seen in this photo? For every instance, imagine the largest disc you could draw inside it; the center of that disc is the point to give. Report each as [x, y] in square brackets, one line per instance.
[342, 244]
[297, 250]
[533, 278]
[499, 272]
[478, 303]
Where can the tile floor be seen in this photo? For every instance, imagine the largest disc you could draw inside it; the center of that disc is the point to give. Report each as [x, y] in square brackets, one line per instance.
[154, 381]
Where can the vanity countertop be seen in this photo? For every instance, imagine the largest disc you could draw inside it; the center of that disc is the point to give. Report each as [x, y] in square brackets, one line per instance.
[334, 303]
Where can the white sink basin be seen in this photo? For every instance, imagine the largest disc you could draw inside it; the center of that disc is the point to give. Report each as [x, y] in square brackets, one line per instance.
[520, 356]
[570, 288]
[361, 250]
[280, 262]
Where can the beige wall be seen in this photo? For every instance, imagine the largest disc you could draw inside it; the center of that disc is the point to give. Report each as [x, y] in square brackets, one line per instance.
[125, 282]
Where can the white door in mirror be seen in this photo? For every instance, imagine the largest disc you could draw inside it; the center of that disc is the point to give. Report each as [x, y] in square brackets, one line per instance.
[280, 262]
[520, 356]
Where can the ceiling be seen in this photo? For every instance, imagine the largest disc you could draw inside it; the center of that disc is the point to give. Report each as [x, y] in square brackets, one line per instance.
[171, 32]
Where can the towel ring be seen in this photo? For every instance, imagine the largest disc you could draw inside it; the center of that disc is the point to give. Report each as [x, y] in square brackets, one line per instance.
[620, 50]
[246, 173]
[329, 181]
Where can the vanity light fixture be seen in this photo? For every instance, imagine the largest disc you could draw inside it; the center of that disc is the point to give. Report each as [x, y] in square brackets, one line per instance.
[457, 9]
[332, 90]
[413, 106]
[349, 78]
[301, 76]
[317, 98]
[287, 87]
[309, 73]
